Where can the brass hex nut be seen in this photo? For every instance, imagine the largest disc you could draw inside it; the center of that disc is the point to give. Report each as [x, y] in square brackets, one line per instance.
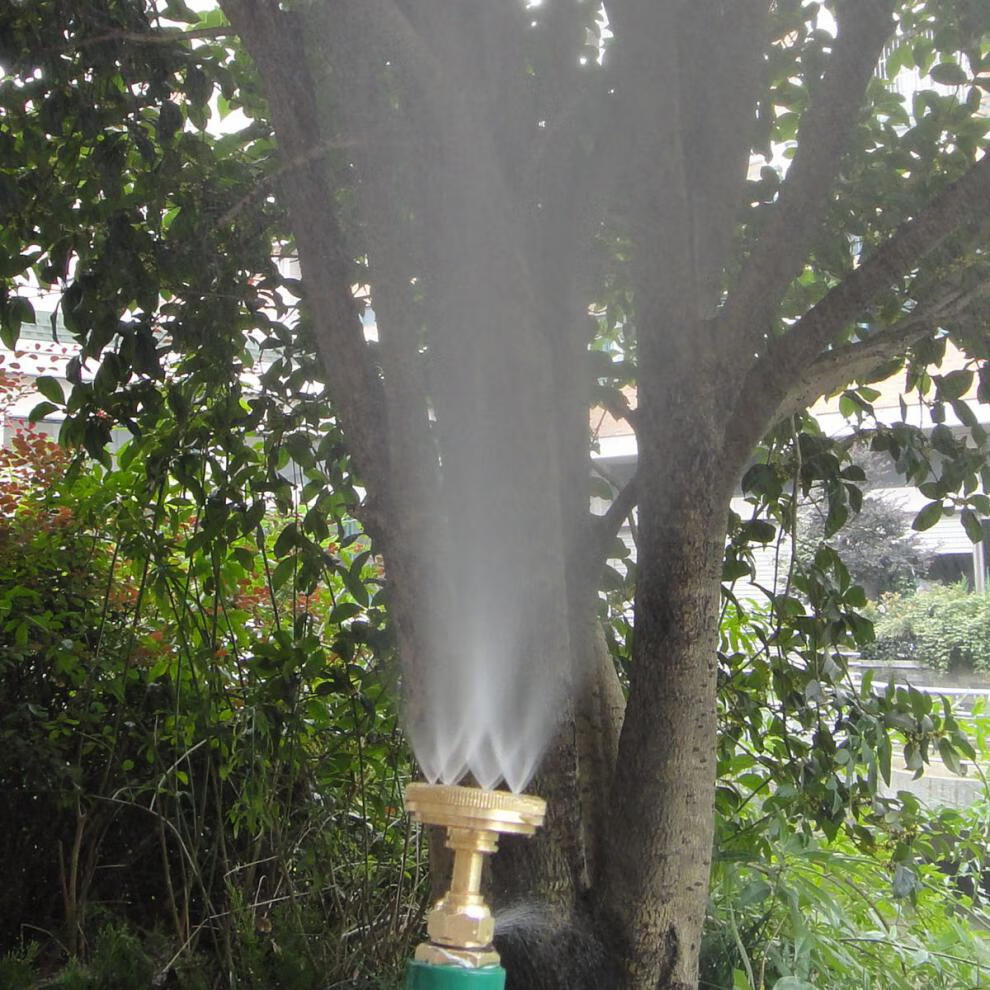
[467, 926]
[444, 955]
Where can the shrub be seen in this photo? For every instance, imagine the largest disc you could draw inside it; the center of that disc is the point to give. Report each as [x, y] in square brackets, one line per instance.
[197, 747]
[17, 968]
[117, 962]
[945, 627]
[820, 878]
[806, 913]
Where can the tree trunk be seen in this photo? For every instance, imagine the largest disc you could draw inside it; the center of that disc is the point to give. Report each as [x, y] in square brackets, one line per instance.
[661, 808]
[612, 893]
[543, 889]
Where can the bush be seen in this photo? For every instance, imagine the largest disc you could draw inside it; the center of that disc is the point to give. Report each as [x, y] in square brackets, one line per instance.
[809, 913]
[17, 968]
[200, 760]
[117, 962]
[821, 877]
[945, 627]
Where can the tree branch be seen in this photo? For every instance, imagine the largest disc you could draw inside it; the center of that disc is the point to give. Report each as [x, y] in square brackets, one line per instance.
[863, 27]
[718, 125]
[615, 403]
[264, 185]
[852, 362]
[607, 526]
[779, 369]
[139, 38]
[272, 38]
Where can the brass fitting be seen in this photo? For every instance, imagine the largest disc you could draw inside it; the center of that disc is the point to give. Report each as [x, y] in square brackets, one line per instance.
[461, 926]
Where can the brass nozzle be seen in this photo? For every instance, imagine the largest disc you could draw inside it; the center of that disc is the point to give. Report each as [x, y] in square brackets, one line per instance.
[461, 926]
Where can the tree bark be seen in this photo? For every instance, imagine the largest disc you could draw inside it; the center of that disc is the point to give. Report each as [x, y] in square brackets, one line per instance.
[661, 808]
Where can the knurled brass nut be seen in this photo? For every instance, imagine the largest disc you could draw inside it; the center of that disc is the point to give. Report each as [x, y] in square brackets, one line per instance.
[471, 807]
[467, 926]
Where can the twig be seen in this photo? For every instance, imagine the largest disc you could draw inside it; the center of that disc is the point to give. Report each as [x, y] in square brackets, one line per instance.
[140, 38]
[608, 525]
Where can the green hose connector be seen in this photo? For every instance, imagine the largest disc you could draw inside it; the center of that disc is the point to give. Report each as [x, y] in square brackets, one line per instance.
[426, 976]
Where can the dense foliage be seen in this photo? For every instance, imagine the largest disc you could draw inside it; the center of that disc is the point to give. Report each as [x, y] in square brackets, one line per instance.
[945, 627]
[192, 744]
[824, 877]
[204, 774]
[808, 915]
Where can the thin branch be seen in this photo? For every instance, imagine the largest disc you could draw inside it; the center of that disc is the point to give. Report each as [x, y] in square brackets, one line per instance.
[607, 526]
[140, 38]
[863, 27]
[853, 362]
[617, 406]
[780, 368]
[272, 36]
[859, 360]
[913, 240]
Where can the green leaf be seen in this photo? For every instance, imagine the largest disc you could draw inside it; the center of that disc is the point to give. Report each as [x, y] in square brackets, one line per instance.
[287, 539]
[300, 449]
[905, 881]
[16, 312]
[912, 757]
[50, 388]
[755, 892]
[884, 758]
[980, 503]
[253, 516]
[9, 332]
[838, 513]
[920, 701]
[356, 587]
[169, 121]
[761, 479]
[962, 745]
[927, 517]
[949, 755]
[733, 569]
[949, 74]
[955, 384]
[971, 523]
[759, 531]
[283, 572]
[965, 414]
[787, 606]
[612, 579]
[345, 610]
[40, 411]
[856, 596]
[740, 981]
